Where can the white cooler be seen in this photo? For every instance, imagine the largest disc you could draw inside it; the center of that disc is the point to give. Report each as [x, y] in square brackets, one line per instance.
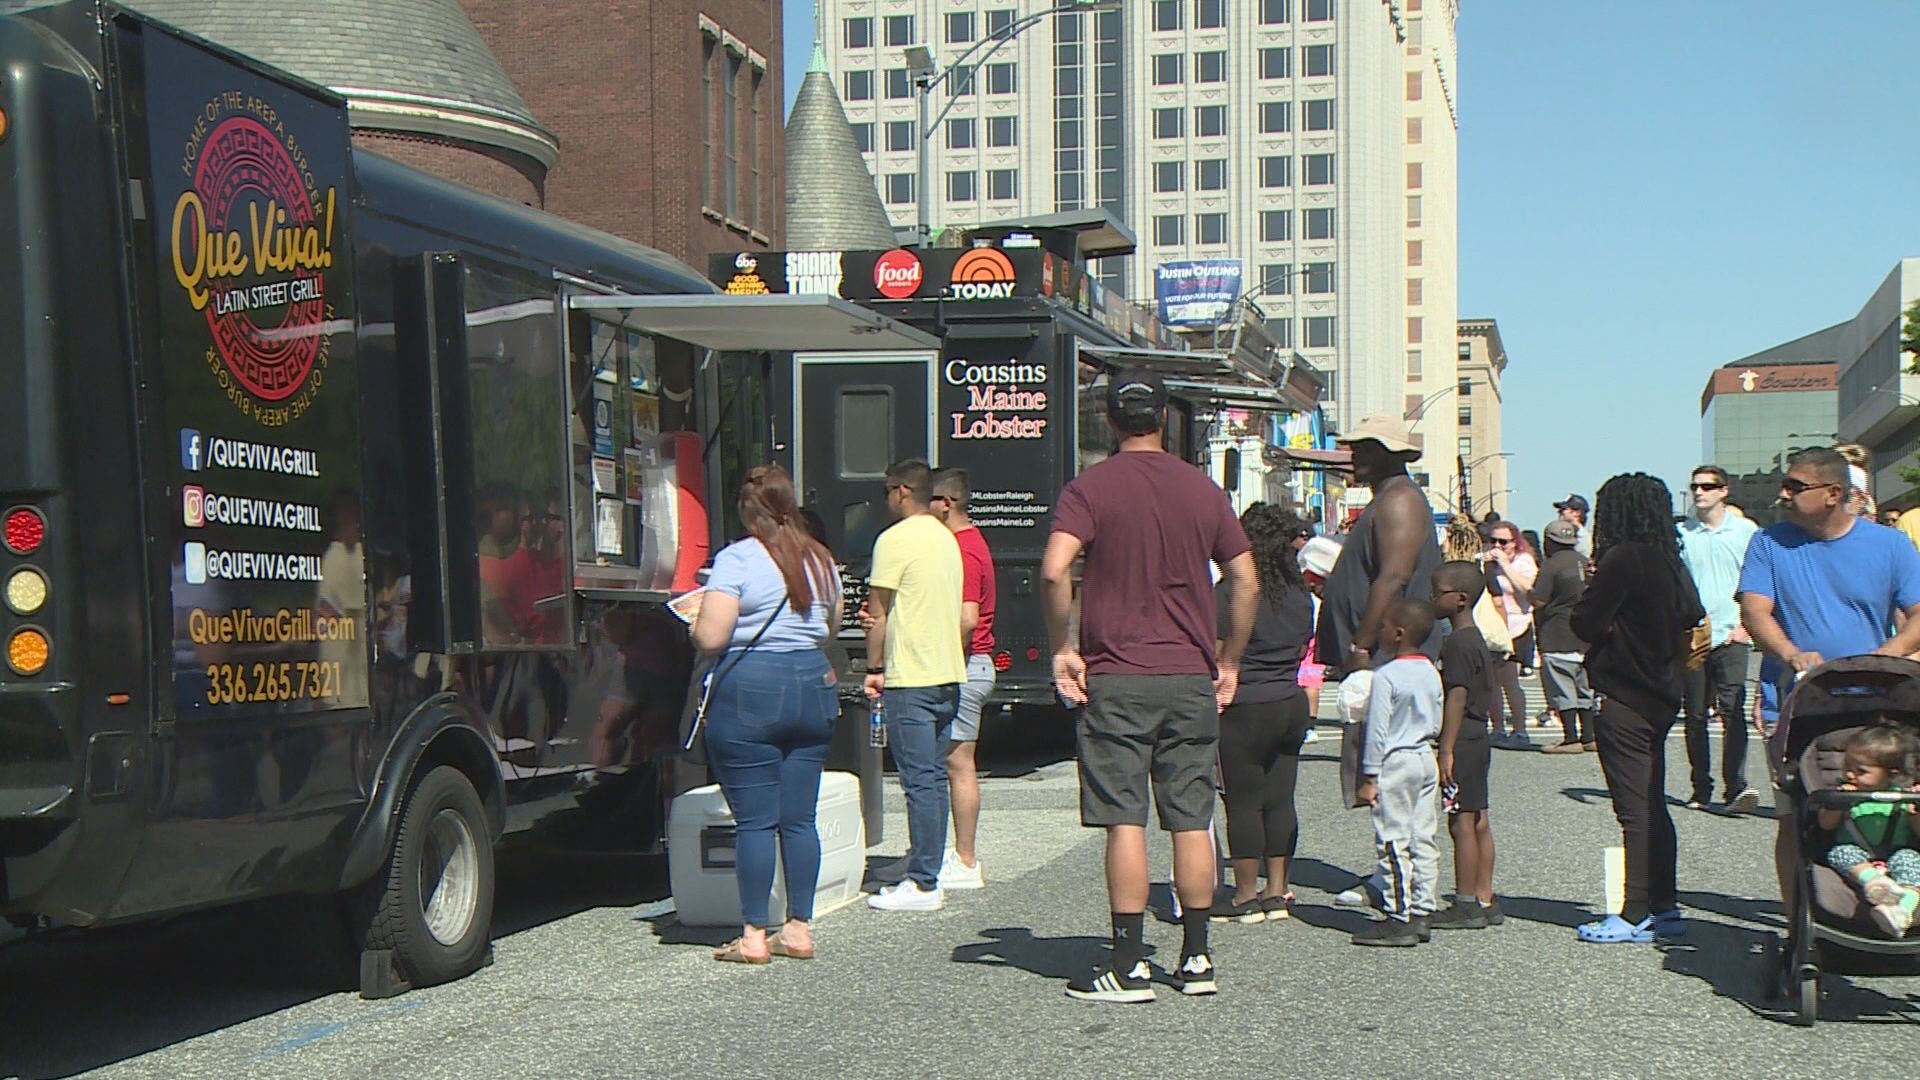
[700, 854]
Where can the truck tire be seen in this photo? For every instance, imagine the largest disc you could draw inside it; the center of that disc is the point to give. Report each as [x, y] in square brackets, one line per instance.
[431, 910]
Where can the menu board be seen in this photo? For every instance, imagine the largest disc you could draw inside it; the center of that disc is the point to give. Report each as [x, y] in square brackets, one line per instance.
[258, 391]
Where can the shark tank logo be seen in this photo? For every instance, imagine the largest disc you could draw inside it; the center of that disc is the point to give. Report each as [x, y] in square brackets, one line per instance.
[982, 274]
[252, 239]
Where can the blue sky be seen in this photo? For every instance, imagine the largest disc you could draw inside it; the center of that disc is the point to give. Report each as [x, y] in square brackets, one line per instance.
[1652, 189]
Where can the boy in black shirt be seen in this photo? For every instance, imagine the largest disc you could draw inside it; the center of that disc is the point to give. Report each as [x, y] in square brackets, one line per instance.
[1466, 673]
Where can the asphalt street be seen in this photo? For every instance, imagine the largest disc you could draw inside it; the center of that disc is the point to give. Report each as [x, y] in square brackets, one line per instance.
[593, 977]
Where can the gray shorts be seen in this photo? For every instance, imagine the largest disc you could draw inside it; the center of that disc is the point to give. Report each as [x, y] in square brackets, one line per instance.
[973, 698]
[1563, 678]
[1137, 728]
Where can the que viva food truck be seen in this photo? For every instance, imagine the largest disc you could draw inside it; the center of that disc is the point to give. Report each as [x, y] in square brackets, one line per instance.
[341, 504]
[1014, 393]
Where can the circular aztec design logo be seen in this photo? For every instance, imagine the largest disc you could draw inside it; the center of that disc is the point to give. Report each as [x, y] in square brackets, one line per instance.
[270, 358]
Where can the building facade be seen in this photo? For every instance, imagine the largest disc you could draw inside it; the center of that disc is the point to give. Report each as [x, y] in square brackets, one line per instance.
[1311, 140]
[1760, 409]
[1481, 364]
[1879, 403]
[667, 114]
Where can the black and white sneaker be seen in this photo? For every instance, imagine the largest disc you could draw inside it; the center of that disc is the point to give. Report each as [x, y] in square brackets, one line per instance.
[1746, 802]
[1195, 976]
[1114, 987]
[1250, 910]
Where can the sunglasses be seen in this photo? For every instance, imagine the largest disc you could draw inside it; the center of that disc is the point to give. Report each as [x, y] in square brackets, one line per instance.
[1799, 487]
[1708, 487]
[1504, 541]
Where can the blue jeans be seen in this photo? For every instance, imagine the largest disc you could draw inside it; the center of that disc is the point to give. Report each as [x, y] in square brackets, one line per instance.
[768, 726]
[919, 721]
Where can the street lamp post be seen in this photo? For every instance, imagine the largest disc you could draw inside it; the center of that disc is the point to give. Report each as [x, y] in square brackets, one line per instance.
[1419, 412]
[1466, 475]
[926, 75]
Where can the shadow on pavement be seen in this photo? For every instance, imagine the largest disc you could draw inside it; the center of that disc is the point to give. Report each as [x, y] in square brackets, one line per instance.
[1048, 958]
[1587, 796]
[1762, 913]
[82, 1001]
[1733, 961]
[1542, 910]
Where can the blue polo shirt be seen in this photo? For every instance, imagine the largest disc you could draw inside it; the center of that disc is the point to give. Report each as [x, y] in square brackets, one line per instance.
[1713, 557]
[1833, 597]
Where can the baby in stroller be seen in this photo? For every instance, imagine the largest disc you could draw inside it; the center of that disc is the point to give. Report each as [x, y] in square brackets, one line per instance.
[1875, 842]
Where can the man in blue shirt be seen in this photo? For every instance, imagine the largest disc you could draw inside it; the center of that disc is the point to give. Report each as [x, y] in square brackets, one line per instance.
[1713, 543]
[1820, 585]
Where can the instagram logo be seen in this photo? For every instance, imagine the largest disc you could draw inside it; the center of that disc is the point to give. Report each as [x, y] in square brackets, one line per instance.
[193, 505]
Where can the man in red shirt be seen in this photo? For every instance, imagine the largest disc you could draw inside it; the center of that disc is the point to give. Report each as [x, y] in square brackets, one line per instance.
[952, 495]
[1146, 669]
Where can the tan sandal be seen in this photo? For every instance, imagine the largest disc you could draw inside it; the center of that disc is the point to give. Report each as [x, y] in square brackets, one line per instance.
[776, 947]
[733, 953]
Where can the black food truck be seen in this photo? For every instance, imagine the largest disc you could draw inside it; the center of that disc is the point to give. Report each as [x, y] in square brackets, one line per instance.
[1014, 393]
[341, 504]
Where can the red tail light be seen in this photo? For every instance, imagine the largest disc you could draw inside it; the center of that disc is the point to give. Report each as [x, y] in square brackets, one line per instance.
[1033, 654]
[26, 530]
[1002, 661]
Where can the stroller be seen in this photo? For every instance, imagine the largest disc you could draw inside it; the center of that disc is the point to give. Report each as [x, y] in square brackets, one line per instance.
[1807, 756]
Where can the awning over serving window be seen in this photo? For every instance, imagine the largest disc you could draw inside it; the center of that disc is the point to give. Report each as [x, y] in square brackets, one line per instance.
[1324, 459]
[1231, 395]
[773, 323]
[1165, 361]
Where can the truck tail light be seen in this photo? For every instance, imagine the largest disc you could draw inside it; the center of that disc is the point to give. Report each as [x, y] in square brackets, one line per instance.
[27, 651]
[26, 591]
[1002, 661]
[26, 530]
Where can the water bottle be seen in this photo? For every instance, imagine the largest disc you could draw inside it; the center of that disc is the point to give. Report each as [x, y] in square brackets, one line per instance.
[877, 729]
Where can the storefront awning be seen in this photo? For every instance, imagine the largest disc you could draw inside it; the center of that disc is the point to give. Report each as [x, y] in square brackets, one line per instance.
[772, 323]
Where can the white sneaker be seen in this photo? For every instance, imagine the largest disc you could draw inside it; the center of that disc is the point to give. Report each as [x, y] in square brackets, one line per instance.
[955, 874]
[1313, 736]
[907, 896]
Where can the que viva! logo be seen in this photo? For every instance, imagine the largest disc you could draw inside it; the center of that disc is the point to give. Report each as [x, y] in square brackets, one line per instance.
[252, 237]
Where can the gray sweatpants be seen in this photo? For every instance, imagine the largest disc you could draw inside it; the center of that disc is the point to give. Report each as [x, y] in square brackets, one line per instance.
[1406, 823]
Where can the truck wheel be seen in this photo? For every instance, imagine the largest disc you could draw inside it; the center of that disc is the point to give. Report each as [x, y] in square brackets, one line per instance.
[433, 911]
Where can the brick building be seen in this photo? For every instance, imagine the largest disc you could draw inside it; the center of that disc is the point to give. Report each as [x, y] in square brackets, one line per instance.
[655, 120]
[668, 114]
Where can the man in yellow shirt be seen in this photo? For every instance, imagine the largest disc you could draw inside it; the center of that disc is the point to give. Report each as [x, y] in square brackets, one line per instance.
[913, 603]
[1909, 524]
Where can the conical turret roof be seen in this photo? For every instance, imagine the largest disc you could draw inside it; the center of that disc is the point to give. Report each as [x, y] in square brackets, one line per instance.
[415, 66]
[832, 204]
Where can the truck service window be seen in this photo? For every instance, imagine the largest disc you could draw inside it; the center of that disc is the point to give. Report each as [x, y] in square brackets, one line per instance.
[519, 462]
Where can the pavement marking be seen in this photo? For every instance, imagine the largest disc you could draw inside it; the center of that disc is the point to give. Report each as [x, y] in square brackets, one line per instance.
[313, 1033]
[1616, 877]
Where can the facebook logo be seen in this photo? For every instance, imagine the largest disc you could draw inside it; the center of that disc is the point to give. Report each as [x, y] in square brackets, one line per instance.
[193, 450]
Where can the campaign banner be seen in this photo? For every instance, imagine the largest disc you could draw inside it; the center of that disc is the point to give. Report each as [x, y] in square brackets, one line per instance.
[252, 186]
[1196, 292]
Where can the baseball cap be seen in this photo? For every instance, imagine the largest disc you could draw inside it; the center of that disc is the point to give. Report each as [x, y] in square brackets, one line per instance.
[1576, 502]
[1562, 532]
[1136, 391]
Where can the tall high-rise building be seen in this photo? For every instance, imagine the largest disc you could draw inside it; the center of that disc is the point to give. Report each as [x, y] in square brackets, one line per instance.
[1313, 140]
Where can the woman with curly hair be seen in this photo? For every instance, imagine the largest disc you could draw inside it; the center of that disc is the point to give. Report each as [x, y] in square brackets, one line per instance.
[1638, 613]
[1262, 731]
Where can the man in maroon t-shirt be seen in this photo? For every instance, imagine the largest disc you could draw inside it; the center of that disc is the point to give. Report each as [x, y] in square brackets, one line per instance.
[952, 495]
[1146, 669]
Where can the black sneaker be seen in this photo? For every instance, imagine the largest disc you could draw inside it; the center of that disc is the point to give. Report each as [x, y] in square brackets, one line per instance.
[1278, 907]
[1249, 911]
[1422, 927]
[1389, 934]
[1463, 915]
[1114, 987]
[1195, 976]
[1493, 913]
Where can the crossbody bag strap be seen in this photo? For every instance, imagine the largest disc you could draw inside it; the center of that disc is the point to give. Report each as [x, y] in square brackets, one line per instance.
[713, 677]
